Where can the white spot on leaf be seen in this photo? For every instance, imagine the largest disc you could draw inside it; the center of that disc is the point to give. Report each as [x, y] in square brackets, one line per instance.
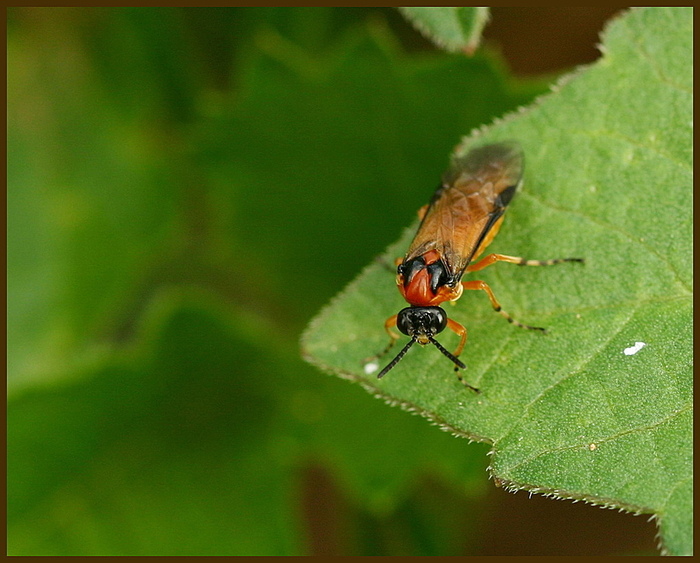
[632, 350]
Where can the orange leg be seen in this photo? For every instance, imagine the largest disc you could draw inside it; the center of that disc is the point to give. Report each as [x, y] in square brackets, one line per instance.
[478, 284]
[492, 258]
[461, 331]
[388, 325]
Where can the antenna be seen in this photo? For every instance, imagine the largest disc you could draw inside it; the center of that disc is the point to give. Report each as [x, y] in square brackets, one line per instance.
[458, 363]
[398, 358]
[455, 360]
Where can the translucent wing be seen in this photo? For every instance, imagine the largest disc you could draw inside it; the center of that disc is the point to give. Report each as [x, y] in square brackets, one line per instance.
[466, 210]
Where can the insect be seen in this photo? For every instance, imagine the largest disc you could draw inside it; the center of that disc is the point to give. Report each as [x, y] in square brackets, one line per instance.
[461, 220]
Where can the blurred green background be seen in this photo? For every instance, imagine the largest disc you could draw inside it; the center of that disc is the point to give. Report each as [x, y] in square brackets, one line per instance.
[186, 189]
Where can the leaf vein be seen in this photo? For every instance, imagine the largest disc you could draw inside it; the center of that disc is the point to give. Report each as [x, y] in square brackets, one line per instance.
[597, 133]
[673, 490]
[644, 428]
[654, 63]
[608, 226]
[573, 372]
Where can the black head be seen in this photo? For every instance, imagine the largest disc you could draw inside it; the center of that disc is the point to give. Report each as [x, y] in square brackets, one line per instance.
[421, 324]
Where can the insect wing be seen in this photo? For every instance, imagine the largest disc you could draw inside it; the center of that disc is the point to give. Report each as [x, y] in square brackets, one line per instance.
[468, 205]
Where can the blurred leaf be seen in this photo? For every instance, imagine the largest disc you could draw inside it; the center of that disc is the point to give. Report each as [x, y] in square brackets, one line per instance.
[169, 453]
[453, 29]
[94, 195]
[608, 178]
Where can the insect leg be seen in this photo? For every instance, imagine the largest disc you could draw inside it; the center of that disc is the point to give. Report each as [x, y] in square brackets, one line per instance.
[492, 258]
[390, 322]
[478, 284]
[461, 331]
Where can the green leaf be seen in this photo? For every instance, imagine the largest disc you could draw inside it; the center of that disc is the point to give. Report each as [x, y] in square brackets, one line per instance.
[572, 414]
[92, 195]
[453, 29]
[170, 447]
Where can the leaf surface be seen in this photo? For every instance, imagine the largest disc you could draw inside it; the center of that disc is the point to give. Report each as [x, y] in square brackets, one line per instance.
[608, 178]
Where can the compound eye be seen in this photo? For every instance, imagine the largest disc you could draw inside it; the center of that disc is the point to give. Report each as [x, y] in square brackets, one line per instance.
[404, 322]
[438, 319]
